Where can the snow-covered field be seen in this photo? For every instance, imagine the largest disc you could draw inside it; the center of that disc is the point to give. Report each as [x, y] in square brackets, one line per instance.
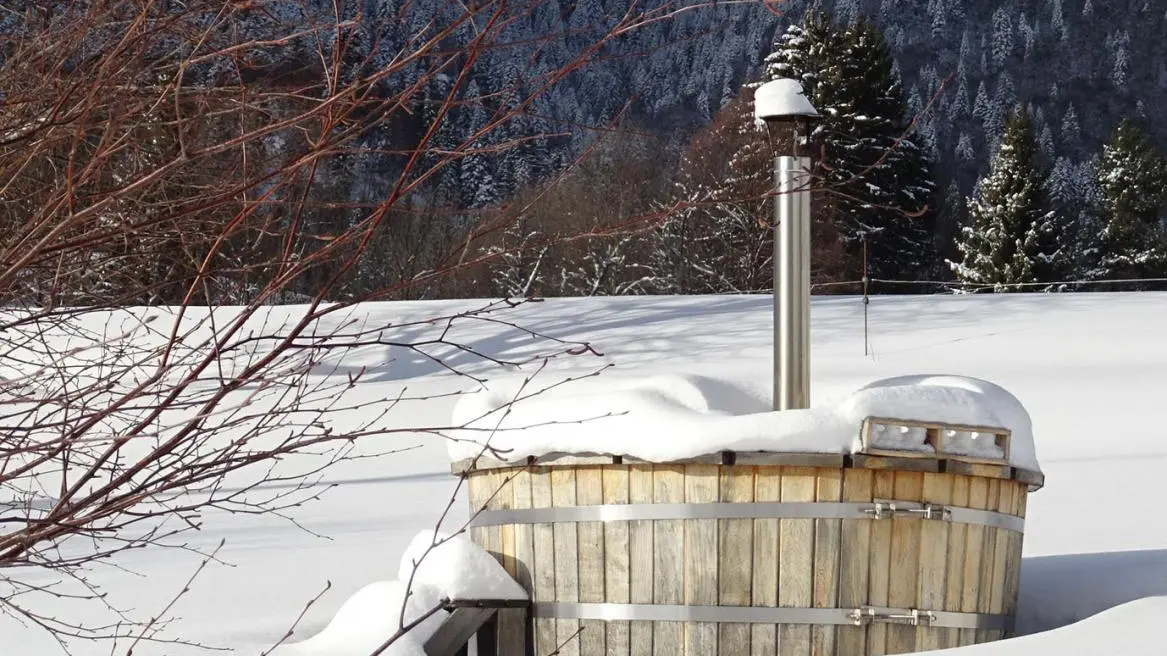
[1090, 368]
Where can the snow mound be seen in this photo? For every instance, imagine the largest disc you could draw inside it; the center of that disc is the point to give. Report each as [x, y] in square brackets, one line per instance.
[1059, 590]
[457, 567]
[1132, 629]
[370, 617]
[671, 417]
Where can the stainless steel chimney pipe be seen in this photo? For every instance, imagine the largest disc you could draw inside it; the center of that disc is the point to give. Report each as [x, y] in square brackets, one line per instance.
[792, 283]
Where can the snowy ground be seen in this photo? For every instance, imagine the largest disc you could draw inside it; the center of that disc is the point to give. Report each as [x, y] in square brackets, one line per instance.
[1090, 368]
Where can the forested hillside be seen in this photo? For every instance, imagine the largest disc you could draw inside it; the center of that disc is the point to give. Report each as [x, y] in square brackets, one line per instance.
[540, 122]
[1079, 67]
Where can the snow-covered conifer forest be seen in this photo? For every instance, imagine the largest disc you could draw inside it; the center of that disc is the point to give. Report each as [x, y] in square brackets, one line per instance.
[660, 178]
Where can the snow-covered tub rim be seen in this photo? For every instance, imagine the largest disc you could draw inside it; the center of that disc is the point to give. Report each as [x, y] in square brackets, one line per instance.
[1032, 479]
[698, 419]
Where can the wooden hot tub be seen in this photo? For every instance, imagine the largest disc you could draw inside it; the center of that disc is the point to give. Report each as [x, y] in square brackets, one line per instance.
[779, 554]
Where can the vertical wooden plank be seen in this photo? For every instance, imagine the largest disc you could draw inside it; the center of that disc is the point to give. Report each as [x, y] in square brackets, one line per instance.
[957, 542]
[988, 559]
[1001, 555]
[668, 484]
[1019, 546]
[879, 577]
[563, 493]
[543, 537]
[701, 559]
[764, 589]
[479, 485]
[589, 490]
[826, 569]
[617, 582]
[978, 495]
[641, 564]
[498, 495]
[796, 561]
[524, 539]
[905, 561]
[933, 559]
[517, 558]
[736, 553]
[1015, 541]
[506, 532]
[855, 559]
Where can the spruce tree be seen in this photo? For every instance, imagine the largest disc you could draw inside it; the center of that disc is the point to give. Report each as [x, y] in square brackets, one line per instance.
[1131, 179]
[1013, 238]
[879, 185]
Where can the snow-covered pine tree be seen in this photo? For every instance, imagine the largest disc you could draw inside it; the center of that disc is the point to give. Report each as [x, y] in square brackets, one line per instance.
[807, 52]
[1003, 42]
[880, 187]
[1131, 178]
[1013, 237]
[477, 177]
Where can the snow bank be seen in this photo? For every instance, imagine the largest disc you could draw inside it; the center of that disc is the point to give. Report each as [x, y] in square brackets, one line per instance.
[1060, 590]
[1132, 629]
[370, 617]
[456, 568]
[670, 417]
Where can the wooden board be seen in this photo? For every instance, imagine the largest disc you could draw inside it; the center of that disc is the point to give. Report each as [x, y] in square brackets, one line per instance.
[954, 568]
[978, 494]
[736, 553]
[641, 562]
[543, 536]
[515, 488]
[905, 562]
[988, 560]
[479, 486]
[796, 561]
[937, 438]
[879, 580]
[701, 558]
[589, 491]
[566, 540]
[855, 560]
[617, 580]
[827, 539]
[1001, 555]
[764, 589]
[668, 484]
[933, 559]
[1016, 540]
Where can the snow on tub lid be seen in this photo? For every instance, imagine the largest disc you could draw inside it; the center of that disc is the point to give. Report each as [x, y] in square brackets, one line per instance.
[672, 417]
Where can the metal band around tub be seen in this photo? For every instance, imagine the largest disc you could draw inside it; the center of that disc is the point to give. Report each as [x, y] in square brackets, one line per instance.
[776, 510]
[758, 615]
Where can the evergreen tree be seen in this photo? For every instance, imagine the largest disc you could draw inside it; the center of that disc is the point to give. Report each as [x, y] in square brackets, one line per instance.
[1013, 237]
[1058, 21]
[881, 187]
[1131, 179]
[1071, 131]
[1002, 36]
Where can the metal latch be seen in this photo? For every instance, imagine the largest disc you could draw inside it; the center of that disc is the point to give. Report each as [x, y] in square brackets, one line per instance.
[887, 509]
[910, 616]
